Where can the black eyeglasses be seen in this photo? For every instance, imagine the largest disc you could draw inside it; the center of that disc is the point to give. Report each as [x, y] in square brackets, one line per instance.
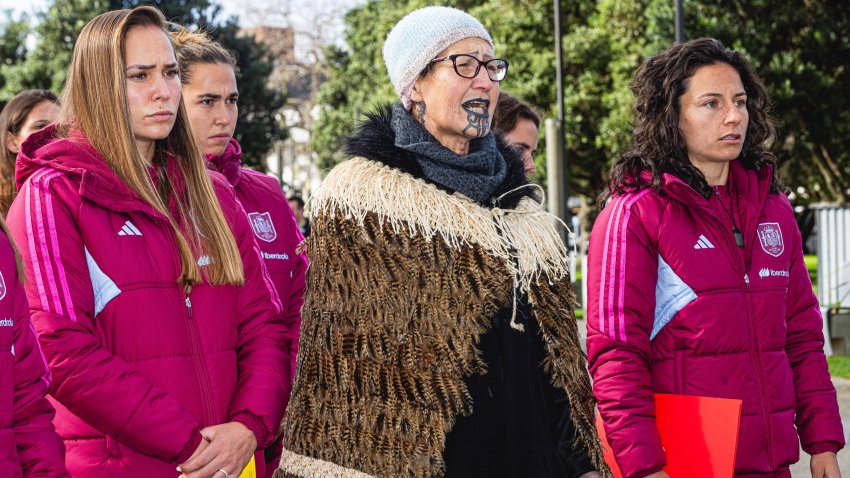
[468, 66]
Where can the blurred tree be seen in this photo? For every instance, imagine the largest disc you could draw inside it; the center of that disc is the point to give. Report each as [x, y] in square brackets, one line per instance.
[802, 49]
[13, 36]
[522, 31]
[60, 23]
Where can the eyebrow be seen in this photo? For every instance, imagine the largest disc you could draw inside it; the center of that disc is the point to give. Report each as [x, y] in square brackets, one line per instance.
[214, 96]
[718, 95]
[148, 67]
[475, 53]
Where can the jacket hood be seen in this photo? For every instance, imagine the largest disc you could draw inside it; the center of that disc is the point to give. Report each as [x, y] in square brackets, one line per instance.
[229, 163]
[80, 161]
[375, 140]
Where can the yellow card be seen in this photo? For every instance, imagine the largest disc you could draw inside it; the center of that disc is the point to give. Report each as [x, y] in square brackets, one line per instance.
[250, 470]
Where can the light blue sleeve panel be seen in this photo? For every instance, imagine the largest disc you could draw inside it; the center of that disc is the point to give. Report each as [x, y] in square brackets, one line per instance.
[104, 288]
[671, 296]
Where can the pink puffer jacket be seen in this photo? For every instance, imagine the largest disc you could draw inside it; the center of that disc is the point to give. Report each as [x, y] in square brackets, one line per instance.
[29, 447]
[278, 236]
[675, 306]
[277, 233]
[139, 367]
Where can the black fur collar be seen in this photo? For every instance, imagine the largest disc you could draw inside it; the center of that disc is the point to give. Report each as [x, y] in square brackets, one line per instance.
[375, 140]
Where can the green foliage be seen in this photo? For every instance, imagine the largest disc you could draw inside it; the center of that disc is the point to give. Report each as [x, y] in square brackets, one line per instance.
[46, 66]
[839, 366]
[802, 50]
[60, 24]
[603, 44]
[13, 35]
[521, 29]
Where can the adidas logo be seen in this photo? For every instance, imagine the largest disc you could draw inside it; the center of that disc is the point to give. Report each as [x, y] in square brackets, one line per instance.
[703, 243]
[129, 229]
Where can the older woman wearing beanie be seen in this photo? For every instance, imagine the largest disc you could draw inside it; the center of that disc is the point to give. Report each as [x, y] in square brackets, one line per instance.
[438, 336]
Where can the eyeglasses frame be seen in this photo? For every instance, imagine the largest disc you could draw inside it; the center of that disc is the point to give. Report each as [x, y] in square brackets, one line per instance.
[481, 63]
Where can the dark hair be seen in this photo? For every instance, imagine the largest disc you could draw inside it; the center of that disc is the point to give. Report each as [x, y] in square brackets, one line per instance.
[657, 144]
[297, 200]
[12, 119]
[510, 110]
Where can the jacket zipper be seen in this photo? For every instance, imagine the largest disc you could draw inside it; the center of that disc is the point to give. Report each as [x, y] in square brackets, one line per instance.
[744, 263]
[199, 360]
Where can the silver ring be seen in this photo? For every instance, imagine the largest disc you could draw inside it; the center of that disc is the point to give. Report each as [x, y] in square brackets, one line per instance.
[226, 474]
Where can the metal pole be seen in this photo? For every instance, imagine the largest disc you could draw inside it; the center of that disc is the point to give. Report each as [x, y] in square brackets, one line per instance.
[680, 22]
[559, 75]
[560, 173]
[554, 171]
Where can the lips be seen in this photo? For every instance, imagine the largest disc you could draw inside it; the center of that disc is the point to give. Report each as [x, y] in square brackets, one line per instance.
[161, 115]
[731, 137]
[478, 105]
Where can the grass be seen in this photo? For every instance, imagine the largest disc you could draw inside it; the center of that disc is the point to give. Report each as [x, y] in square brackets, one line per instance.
[839, 366]
[811, 261]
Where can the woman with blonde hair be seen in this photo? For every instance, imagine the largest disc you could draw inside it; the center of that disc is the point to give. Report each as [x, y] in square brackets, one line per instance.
[208, 73]
[164, 353]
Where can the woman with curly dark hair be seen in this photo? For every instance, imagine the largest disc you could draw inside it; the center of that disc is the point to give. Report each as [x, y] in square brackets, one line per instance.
[696, 277]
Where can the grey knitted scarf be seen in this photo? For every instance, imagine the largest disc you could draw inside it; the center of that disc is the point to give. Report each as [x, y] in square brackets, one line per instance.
[475, 175]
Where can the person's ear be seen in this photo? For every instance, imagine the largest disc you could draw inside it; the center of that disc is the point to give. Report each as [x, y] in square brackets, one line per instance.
[12, 143]
[416, 92]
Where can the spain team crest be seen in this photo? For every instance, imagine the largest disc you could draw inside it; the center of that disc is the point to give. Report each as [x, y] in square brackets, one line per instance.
[770, 236]
[263, 226]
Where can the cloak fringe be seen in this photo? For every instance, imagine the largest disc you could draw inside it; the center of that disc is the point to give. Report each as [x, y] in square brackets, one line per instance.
[398, 296]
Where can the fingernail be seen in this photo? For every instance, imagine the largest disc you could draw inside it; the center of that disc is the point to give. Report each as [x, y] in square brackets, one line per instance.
[178, 469]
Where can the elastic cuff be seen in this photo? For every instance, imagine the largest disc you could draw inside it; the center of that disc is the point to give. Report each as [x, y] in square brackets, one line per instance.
[823, 447]
[255, 424]
[190, 447]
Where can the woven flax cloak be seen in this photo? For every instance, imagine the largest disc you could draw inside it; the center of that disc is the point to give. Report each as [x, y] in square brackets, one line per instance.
[403, 280]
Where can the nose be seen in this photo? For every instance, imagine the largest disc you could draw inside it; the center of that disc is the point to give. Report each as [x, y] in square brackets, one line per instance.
[482, 81]
[221, 117]
[161, 91]
[734, 115]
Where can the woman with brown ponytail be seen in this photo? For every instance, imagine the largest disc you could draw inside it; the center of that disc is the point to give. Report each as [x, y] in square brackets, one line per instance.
[152, 305]
[208, 73]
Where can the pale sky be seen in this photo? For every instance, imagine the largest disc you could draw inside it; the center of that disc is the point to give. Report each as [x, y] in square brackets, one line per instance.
[250, 12]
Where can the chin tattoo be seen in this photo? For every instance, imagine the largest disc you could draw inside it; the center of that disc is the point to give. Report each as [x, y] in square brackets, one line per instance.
[479, 123]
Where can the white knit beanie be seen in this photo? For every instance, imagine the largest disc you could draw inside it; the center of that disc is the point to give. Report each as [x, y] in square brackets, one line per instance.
[419, 37]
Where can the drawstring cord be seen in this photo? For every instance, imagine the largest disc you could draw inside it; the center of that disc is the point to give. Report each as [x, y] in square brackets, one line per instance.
[499, 213]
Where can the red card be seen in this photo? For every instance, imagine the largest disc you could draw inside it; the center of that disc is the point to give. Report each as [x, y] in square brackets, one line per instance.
[699, 435]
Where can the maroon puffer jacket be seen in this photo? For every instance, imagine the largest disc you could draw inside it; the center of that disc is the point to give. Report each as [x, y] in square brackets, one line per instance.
[278, 235]
[676, 307]
[139, 367]
[29, 446]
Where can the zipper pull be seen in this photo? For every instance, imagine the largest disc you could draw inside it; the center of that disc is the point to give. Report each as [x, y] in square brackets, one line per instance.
[739, 238]
[747, 280]
[188, 301]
